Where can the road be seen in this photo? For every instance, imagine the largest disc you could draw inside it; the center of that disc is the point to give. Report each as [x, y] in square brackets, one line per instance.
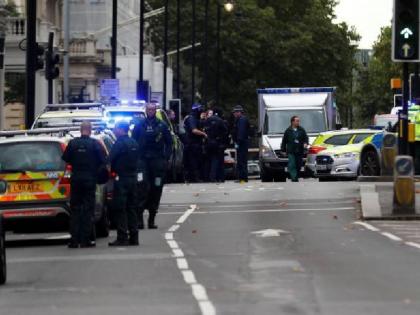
[225, 249]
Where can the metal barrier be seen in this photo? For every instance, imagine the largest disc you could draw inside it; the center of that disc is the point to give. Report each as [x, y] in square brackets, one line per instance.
[404, 186]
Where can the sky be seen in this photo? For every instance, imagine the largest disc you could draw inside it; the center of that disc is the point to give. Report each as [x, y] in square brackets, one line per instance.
[368, 16]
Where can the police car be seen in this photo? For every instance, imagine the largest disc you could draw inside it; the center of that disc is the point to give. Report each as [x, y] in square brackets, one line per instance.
[3, 269]
[38, 181]
[57, 115]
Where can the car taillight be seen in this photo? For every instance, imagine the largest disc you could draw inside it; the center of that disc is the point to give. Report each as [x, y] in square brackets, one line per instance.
[315, 149]
[112, 175]
[67, 175]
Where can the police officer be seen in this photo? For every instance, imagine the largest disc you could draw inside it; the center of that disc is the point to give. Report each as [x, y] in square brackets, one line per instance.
[216, 131]
[155, 149]
[86, 156]
[240, 136]
[294, 143]
[124, 160]
[193, 145]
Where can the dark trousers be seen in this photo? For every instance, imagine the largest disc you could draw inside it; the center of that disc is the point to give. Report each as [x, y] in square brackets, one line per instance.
[125, 205]
[152, 179]
[217, 165]
[242, 161]
[193, 162]
[294, 165]
[82, 203]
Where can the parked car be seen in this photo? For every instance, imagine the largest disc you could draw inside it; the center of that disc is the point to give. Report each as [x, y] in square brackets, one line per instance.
[38, 188]
[330, 139]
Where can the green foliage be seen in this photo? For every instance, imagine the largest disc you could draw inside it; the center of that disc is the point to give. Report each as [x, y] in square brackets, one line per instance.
[15, 88]
[374, 94]
[264, 43]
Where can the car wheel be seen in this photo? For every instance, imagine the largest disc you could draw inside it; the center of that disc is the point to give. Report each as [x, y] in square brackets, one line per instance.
[370, 164]
[3, 270]
[280, 178]
[102, 226]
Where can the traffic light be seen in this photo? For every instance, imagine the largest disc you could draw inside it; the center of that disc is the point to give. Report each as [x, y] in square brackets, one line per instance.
[40, 51]
[52, 59]
[52, 70]
[406, 31]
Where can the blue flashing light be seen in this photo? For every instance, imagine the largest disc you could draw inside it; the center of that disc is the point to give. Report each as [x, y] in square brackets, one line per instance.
[296, 90]
[124, 102]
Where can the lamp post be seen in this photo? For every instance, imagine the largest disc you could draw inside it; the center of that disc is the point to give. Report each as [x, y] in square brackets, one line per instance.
[2, 44]
[114, 40]
[178, 47]
[193, 53]
[165, 54]
[141, 48]
[228, 6]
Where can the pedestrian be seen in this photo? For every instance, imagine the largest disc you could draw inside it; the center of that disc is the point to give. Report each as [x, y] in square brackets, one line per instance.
[295, 141]
[124, 161]
[86, 157]
[216, 131]
[155, 149]
[240, 137]
[194, 138]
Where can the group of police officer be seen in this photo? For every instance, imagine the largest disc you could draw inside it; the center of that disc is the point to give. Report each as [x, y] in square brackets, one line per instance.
[138, 167]
[206, 138]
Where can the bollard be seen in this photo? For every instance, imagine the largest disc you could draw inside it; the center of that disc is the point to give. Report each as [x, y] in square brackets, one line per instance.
[404, 186]
[389, 152]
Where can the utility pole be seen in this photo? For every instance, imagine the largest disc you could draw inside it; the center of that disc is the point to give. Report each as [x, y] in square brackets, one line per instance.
[193, 54]
[66, 59]
[165, 54]
[205, 54]
[218, 55]
[141, 49]
[114, 39]
[2, 53]
[31, 60]
[178, 47]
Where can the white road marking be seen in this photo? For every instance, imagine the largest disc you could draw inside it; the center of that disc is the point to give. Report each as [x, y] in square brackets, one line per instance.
[392, 236]
[189, 277]
[186, 214]
[178, 253]
[198, 290]
[173, 244]
[412, 244]
[173, 228]
[367, 226]
[182, 263]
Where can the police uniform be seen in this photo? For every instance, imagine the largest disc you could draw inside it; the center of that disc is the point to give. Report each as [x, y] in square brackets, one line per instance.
[124, 161]
[241, 139]
[193, 149]
[216, 131]
[155, 149]
[86, 156]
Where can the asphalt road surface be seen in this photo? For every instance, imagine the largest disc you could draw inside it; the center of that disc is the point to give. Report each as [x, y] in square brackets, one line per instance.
[225, 249]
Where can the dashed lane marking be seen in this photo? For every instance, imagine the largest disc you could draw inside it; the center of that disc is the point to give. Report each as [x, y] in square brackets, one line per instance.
[198, 290]
[387, 234]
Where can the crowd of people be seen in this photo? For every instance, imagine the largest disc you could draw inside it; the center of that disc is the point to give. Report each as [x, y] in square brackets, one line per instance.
[207, 135]
[139, 163]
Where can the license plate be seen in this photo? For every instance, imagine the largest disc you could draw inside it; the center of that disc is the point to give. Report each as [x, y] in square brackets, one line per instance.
[24, 187]
[322, 167]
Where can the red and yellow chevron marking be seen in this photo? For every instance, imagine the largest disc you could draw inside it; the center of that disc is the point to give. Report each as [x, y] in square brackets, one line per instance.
[34, 186]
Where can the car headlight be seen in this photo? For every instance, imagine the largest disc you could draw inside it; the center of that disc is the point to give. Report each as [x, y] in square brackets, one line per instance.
[347, 155]
[267, 152]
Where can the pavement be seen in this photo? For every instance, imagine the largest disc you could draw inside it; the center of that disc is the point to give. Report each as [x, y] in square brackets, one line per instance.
[272, 248]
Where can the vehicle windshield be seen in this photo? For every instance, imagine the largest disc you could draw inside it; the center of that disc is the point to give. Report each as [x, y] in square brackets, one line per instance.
[61, 121]
[30, 156]
[313, 120]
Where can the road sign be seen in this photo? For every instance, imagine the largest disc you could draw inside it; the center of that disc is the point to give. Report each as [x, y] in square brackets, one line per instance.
[405, 33]
[110, 89]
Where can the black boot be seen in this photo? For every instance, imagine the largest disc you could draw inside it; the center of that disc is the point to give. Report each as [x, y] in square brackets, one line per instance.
[151, 222]
[134, 239]
[118, 242]
[141, 221]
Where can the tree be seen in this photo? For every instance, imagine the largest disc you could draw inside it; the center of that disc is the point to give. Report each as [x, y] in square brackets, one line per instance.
[374, 94]
[266, 43]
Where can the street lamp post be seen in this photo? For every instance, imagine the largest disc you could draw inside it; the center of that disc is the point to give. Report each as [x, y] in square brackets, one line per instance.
[114, 39]
[2, 49]
[165, 54]
[178, 47]
[193, 54]
[141, 48]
